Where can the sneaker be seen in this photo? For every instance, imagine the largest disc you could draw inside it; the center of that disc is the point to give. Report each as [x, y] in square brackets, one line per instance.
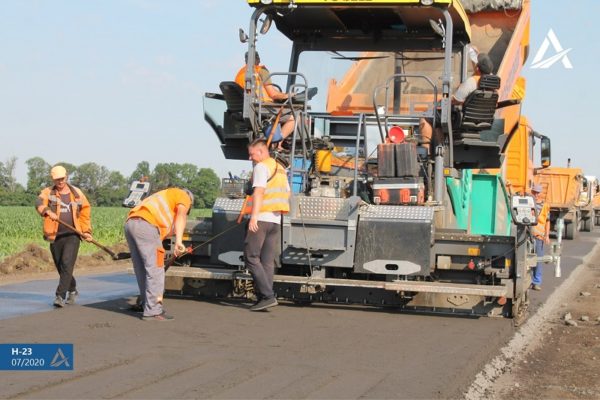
[536, 287]
[59, 302]
[160, 317]
[72, 296]
[264, 304]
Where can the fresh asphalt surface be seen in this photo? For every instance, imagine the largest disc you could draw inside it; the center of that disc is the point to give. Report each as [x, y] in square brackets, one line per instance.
[218, 349]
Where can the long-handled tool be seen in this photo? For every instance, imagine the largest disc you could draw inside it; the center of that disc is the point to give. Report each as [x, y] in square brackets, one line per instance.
[189, 250]
[114, 256]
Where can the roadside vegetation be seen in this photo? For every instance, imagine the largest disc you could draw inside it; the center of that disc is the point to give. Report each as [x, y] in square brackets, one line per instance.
[21, 226]
[104, 187]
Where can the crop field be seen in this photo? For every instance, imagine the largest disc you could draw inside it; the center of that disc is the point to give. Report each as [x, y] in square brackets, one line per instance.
[20, 226]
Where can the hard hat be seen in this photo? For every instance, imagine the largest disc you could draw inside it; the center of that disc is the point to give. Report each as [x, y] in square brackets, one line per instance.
[58, 172]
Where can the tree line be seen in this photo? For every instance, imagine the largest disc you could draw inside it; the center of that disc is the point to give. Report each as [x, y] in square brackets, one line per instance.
[104, 187]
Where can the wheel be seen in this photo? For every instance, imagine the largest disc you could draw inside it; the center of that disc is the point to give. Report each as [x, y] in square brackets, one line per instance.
[586, 224]
[570, 230]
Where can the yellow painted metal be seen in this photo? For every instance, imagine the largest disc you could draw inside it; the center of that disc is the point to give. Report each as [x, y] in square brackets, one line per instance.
[474, 251]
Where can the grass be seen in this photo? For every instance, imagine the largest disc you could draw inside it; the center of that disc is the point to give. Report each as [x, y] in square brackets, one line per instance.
[20, 226]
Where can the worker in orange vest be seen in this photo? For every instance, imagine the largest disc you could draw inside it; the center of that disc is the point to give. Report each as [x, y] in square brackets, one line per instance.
[66, 203]
[541, 233]
[267, 92]
[269, 201]
[148, 224]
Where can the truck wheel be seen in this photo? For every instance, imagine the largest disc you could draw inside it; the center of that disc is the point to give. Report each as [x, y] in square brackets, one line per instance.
[586, 225]
[570, 230]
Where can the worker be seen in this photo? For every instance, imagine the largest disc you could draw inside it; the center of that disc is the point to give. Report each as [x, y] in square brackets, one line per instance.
[541, 233]
[270, 199]
[66, 203]
[482, 65]
[148, 224]
[268, 94]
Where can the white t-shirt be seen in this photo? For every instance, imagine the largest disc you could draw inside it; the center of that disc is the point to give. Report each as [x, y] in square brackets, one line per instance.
[465, 89]
[260, 176]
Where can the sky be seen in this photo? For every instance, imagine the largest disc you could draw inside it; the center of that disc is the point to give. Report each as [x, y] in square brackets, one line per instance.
[117, 82]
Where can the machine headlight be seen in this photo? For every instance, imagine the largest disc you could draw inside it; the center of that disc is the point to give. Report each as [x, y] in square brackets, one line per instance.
[426, 2]
[267, 2]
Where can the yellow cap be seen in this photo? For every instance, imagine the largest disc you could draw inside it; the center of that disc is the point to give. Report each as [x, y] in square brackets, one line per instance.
[58, 172]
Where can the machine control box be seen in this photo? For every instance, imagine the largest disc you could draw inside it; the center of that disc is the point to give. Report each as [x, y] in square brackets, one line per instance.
[523, 210]
[137, 192]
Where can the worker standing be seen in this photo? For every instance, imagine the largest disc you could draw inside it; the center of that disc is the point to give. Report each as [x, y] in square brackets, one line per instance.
[66, 203]
[270, 199]
[148, 224]
[541, 233]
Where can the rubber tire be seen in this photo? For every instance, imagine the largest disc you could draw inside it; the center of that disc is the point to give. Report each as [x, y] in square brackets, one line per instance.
[586, 225]
[570, 230]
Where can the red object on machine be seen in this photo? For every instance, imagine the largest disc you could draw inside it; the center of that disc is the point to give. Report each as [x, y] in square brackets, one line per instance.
[396, 134]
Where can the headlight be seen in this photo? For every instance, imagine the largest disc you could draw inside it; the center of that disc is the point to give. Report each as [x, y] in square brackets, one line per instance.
[426, 2]
[266, 1]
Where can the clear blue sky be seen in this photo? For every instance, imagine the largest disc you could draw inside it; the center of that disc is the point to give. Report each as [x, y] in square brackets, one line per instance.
[120, 81]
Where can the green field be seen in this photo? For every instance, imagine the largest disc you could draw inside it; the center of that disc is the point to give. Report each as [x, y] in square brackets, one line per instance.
[20, 226]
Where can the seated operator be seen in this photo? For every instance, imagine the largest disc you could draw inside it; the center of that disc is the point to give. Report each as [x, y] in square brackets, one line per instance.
[482, 65]
[268, 93]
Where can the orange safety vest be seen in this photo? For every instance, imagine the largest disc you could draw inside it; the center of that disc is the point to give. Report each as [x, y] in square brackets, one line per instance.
[260, 91]
[50, 198]
[277, 192]
[539, 231]
[159, 209]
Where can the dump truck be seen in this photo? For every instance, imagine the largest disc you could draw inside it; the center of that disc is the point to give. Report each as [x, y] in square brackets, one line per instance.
[596, 205]
[379, 214]
[561, 189]
[585, 203]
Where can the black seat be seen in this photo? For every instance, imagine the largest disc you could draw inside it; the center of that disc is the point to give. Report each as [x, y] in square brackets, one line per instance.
[234, 96]
[237, 131]
[478, 110]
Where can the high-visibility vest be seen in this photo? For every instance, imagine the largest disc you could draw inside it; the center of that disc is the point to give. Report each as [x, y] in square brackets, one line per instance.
[539, 231]
[260, 91]
[160, 208]
[277, 192]
[50, 198]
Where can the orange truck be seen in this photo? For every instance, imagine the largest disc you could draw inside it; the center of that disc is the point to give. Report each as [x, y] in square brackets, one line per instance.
[589, 203]
[561, 189]
[596, 207]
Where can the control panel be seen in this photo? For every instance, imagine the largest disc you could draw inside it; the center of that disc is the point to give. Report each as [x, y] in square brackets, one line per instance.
[523, 210]
[137, 192]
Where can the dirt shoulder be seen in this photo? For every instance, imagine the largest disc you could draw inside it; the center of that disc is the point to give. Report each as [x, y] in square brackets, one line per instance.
[556, 353]
[35, 263]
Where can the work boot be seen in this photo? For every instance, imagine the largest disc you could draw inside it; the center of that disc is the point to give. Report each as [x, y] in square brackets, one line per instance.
[72, 296]
[264, 304]
[536, 287]
[59, 302]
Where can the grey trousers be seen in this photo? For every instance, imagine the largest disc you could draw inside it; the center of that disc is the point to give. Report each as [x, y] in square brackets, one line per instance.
[144, 243]
[259, 255]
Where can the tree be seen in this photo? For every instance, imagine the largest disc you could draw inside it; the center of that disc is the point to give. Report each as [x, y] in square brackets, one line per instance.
[206, 187]
[113, 192]
[7, 174]
[38, 175]
[90, 177]
[141, 170]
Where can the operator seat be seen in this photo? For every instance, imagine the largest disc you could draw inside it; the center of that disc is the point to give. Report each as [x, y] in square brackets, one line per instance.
[478, 109]
[478, 138]
[237, 131]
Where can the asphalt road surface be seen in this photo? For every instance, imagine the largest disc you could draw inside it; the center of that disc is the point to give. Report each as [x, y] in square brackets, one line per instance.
[221, 350]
